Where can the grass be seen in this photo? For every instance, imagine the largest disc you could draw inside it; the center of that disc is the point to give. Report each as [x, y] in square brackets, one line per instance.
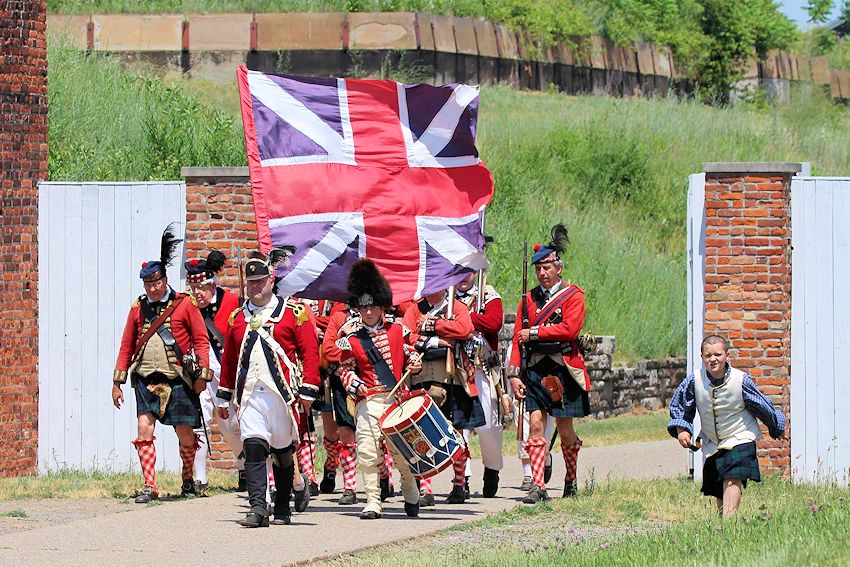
[13, 514]
[658, 522]
[614, 170]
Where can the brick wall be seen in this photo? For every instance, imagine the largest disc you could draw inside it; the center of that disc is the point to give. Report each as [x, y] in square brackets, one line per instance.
[748, 278]
[220, 215]
[23, 162]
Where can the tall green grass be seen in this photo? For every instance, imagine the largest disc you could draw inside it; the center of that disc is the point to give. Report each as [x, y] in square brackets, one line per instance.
[614, 170]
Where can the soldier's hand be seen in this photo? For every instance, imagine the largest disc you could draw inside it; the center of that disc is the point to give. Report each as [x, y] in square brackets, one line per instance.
[684, 439]
[415, 365]
[306, 404]
[117, 396]
[361, 391]
[518, 387]
[199, 386]
[223, 412]
[524, 335]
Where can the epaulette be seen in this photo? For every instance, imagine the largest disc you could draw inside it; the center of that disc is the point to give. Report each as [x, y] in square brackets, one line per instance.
[137, 302]
[490, 293]
[192, 299]
[232, 316]
[299, 310]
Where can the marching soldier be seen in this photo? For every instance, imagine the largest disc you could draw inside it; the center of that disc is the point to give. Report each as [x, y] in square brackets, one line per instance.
[556, 382]
[216, 305]
[163, 327]
[437, 324]
[258, 373]
[483, 350]
[373, 359]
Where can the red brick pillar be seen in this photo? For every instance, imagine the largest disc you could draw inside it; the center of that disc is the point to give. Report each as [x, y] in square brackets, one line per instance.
[748, 278]
[220, 215]
[23, 163]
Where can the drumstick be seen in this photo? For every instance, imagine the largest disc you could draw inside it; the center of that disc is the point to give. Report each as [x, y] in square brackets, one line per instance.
[403, 379]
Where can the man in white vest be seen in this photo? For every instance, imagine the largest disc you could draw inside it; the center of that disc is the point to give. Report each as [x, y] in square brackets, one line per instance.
[728, 402]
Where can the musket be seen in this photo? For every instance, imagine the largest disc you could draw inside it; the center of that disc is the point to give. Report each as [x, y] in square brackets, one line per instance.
[450, 313]
[523, 351]
[241, 277]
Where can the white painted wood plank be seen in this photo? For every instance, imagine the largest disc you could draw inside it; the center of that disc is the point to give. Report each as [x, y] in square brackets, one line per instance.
[55, 315]
[44, 351]
[88, 304]
[841, 325]
[696, 222]
[73, 328]
[811, 462]
[798, 409]
[107, 338]
[824, 341]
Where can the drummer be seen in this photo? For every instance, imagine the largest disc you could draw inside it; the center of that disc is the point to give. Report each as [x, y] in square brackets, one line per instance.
[436, 326]
[373, 360]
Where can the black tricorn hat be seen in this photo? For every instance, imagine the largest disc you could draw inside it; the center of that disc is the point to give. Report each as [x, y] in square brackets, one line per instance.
[367, 287]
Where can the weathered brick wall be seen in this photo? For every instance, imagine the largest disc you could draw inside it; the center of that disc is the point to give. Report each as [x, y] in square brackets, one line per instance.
[748, 278]
[220, 215]
[23, 163]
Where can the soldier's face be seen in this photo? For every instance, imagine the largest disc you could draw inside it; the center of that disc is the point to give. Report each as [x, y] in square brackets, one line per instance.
[714, 358]
[260, 290]
[203, 293]
[370, 315]
[548, 272]
[155, 289]
[467, 282]
[435, 298]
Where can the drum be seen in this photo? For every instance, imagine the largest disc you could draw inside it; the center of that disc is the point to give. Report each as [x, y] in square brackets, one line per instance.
[418, 429]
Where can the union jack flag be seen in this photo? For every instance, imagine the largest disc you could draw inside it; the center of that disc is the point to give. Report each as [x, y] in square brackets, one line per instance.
[347, 168]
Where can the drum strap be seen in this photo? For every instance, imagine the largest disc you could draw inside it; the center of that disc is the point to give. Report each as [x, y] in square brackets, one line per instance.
[376, 359]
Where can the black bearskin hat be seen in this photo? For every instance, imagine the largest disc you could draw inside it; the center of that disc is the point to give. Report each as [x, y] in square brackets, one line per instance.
[367, 287]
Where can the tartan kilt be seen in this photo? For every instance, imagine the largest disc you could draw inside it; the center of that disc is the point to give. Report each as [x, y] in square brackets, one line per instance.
[342, 417]
[575, 402]
[739, 463]
[184, 405]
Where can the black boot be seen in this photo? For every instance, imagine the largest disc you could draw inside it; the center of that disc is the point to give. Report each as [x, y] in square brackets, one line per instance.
[256, 481]
[328, 484]
[241, 486]
[385, 488]
[456, 496]
[570, 489]
[466, 487]
[491, 482]
[283, 480]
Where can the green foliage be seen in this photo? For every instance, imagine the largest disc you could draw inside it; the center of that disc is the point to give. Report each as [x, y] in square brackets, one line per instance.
[819, 10]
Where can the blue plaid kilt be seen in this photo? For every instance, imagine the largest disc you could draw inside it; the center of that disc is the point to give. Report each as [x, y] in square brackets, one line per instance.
[575, 402]
[461, 409]
[183, 407]
[340, 408]
[739, 463]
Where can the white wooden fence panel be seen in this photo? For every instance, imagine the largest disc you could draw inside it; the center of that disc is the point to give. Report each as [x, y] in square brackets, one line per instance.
[92, 240]
[820, 329]
[696, 289]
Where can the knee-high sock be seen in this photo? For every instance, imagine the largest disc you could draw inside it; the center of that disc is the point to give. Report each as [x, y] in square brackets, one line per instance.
[425, 486]
[200, 464]
[187, 455]
[332, 449]
[147, 458]
[571, 459]
[306, 458]
[256, 473]
[536, 448]
[348, 460]
[270, 473]
[386, 464]
[459, 467]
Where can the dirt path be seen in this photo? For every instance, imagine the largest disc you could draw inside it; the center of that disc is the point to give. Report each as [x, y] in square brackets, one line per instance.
[109, 532]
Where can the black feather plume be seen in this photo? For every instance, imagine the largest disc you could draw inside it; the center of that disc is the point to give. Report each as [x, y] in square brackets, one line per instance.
[280, 254]
[168, 246]
[215, 261]
[560, 238]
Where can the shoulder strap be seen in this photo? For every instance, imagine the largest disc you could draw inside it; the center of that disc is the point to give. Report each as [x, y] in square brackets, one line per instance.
[376, 359]
[553, 305]
[156, 324]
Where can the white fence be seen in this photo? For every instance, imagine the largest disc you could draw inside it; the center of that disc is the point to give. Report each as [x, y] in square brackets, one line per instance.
[92, 238]
[820, 329]
[696, 290]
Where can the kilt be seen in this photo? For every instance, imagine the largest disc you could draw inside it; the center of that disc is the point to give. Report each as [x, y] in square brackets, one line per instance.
[575, 402]
[462, 410]
[183, 406]
[738, 463]
[340, 408]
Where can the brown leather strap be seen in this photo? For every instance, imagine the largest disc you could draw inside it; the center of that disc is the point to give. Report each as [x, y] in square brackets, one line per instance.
[156, 324]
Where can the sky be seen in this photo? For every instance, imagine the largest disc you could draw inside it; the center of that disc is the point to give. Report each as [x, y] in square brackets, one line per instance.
[794, 10]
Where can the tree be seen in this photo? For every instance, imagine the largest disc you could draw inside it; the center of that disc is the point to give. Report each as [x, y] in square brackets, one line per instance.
[819, 11]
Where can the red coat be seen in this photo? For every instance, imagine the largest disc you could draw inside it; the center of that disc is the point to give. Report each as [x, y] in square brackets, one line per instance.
[488, 323]
[220, 311]
[330, 350]
[292, 330]
[458, 329]
[567, 330]
[186, 325]
[322, 307]
[390, 342]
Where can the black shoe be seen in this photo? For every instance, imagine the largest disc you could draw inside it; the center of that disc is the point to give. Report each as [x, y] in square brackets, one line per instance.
[348, 497]
[385, 489]
[411, 510]
[201, 488]
[188, 489]
[314, 489]
[328, 484]
[241, 485]
[456, 496]
[426, 500]
[570, 489]
[302, 497]
[547, 471]
[146, 495]
[370, 515]
[535, 495]
[281, 519]
[254, 520]
[491, 482]
[527, 484]
[466, 488]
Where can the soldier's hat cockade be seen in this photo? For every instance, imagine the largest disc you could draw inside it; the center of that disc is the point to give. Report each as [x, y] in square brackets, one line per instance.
[560, 239]
[367, 287]
[200, 271]
[154, 269]
[261, 265]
